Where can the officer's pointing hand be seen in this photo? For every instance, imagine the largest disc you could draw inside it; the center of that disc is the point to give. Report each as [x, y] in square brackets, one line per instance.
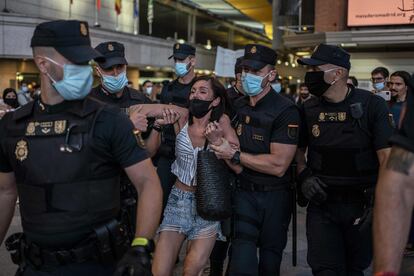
[313, 189]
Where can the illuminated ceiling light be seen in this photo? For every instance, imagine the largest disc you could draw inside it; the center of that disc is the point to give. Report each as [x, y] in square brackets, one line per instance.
[304, 28]
[303, 53]
[348, 45]
[298, 80]
[290, 77]
[148, 67]
[286, 63]
[293, 65]
[181, 41]
[279, 61]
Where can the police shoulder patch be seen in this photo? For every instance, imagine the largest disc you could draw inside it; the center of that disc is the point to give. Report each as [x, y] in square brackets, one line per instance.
[293, 130]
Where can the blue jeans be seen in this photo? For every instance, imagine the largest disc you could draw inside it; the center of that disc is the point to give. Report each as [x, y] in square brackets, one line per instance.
[180, 215]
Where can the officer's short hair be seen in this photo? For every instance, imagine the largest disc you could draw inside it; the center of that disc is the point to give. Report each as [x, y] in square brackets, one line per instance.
[381, 70]
[402, 74]
[303, 85]
[145, 82]
[354, 81]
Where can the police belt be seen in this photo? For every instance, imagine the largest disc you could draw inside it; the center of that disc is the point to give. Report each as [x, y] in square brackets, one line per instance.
[106, 245]
[261, 187]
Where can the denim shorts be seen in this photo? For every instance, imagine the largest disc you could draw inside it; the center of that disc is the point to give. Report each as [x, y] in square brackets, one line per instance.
[180, 215]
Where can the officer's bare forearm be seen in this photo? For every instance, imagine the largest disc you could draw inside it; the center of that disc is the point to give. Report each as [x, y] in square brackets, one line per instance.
[156, 110]
[153, 142]
[147, 183]
[8, 197]
[275, 163]
[393, 208]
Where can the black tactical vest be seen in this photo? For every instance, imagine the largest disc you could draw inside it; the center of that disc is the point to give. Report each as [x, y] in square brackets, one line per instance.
[340, 149]
[54, 161]
[254, 129]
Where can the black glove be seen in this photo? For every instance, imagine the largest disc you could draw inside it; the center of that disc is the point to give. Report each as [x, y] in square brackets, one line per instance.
[312, 189]
[135, 262]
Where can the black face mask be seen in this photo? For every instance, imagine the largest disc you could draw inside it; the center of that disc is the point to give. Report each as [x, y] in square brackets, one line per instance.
[12, 102]
[316, 83]
[199, 108]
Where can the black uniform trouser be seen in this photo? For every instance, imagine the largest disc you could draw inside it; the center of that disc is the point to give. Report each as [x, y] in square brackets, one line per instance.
[81, 269]
[261, 221]
[167, 178]
[335, 245]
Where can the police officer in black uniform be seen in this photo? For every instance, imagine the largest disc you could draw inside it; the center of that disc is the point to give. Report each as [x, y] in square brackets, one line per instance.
[268, 132]
[346, 132]
[176, 93]
[236, 91]
[114, 91]
[62, 155]
[394, 198]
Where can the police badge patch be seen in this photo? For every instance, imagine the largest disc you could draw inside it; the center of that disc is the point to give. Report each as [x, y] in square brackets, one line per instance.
[21, 150]
[239, 129]
[293, 131]
[316, 131]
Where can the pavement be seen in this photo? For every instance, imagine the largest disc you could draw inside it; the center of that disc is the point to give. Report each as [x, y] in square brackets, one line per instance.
[7, 268]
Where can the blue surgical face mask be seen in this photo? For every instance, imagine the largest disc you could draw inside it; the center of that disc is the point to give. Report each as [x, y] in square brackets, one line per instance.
[379, 85]
[277, 87]
[114, 84]
[252, 84]
[76, 83]
[181, 69]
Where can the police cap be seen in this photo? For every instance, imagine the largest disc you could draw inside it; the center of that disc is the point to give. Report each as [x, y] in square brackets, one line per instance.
[181, 51]
[257, 56]
[328, 54]
[237, 67]
[69, 37]
[114, 53]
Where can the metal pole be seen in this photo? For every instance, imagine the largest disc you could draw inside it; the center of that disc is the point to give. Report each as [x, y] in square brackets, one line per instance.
[294, 215]
[117, 26]
[230, 41]
[96, 14]
[193, 29]
[277, 40]
[70, 9]
[189, 26]
[300, 16]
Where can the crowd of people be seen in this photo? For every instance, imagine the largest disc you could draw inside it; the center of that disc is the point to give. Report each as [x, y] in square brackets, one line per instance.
[107, 177]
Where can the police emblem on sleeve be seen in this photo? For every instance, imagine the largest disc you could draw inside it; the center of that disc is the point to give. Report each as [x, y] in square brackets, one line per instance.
[316, 131]
[21, 151]
[293, 131]
[110, 47]
[321, 117]
[253, 50]
[177, 46]
[239, 129]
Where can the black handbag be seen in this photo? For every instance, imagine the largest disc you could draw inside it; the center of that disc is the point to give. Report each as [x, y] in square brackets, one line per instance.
[213, 191]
